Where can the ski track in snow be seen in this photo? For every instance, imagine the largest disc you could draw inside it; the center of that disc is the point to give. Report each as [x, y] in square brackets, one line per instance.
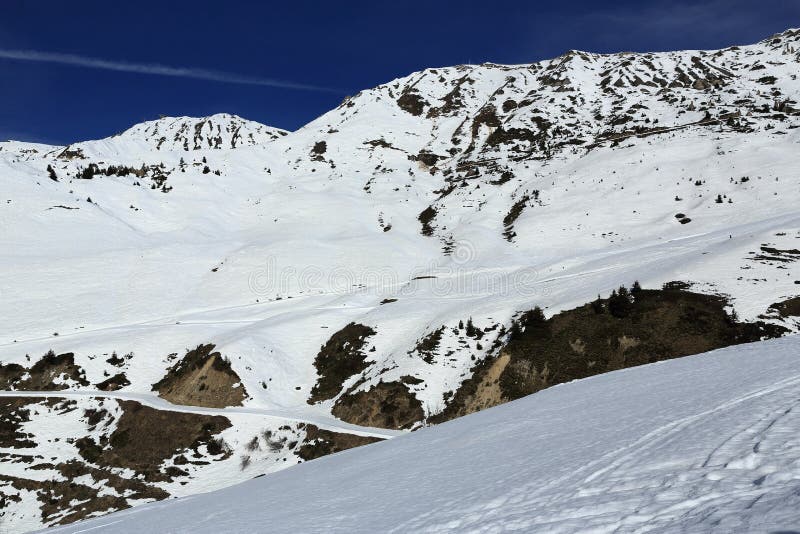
[156, 402]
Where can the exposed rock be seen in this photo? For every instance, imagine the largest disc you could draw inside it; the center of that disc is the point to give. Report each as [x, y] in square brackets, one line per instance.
[412, 102]
[387, 405]
[52, 372]
[202, 378]
[118, 381]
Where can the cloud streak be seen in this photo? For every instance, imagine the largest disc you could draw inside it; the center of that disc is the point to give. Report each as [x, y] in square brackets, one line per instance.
[155, 69]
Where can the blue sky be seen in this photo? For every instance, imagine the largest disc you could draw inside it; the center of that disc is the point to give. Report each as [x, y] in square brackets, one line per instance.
[88, 69]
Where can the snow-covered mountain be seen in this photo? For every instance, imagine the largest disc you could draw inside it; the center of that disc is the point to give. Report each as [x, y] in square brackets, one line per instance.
[373, 268]
[701, 444]
[183, 134]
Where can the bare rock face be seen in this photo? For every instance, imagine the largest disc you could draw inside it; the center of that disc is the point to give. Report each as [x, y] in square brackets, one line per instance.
[202, 378]
[387, 405]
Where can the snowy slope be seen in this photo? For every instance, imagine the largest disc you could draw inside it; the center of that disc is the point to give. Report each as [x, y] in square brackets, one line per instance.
[700, 444]
[541, 184]
[325, 217]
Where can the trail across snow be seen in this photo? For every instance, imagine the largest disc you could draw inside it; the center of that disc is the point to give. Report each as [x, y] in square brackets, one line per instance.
[705, 443]
[153, 401]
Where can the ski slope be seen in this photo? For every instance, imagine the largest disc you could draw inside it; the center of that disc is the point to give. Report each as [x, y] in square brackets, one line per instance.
[706, 443]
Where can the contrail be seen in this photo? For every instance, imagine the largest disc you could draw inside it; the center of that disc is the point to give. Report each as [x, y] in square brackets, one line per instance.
[154, 68]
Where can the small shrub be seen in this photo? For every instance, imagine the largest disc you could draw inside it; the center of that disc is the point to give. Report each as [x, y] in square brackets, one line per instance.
[244, 462]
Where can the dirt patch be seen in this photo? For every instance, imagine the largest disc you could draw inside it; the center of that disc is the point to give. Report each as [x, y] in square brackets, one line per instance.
[411, 102]
[487, 116]
[118, 381]
[426, 217]
[10, 374]
[339, 359]
[602, 336]
[43, 374]
[13, 413]
[202, 378]
[478, 392]
[142, 444]
[319, 442]
[66, 501]
[320, 147]
[772, 254]
[512, 216]
[428, 345]
[787, 308]
[145, 438]
[387, 405]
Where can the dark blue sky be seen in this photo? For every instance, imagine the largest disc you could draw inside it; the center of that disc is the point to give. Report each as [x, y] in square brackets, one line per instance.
[346, 46]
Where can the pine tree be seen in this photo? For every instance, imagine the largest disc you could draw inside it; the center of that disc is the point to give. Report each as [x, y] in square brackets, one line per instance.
[597, 305]
[470, 328]
[533, 319]
[619, 303]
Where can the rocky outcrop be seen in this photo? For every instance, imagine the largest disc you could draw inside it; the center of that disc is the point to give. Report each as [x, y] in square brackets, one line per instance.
[202, 378]
[630, 328]
[387, 405]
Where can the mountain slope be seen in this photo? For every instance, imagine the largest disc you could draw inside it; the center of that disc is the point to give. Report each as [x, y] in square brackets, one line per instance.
[373, 266]
[705, 443]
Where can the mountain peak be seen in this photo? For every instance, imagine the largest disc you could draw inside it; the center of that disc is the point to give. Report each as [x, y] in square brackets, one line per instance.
[221, 130]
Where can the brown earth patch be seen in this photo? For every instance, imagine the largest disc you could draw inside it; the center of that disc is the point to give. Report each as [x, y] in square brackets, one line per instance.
[387, 405]
[428, 345]
[479, 392]
[411, 102]
[512, 216]
[341, 357]
[603, 336]
[320, 442]
[65, 501]
[202, 378]
[41, 376]
[425, 218]
[143, 441]
[145, 438]
[787, 308]
[13, 413]
[118, 381]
